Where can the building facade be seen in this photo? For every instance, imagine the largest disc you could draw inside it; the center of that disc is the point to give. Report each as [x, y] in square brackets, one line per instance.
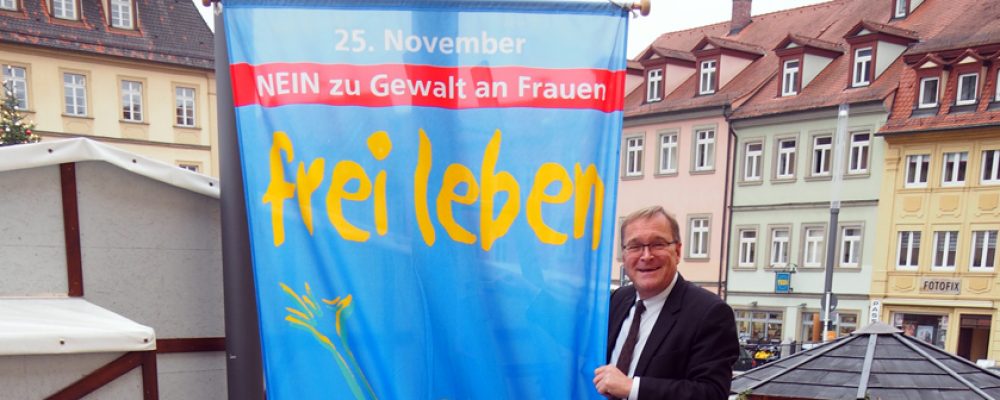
[135, 74]
[935, 262]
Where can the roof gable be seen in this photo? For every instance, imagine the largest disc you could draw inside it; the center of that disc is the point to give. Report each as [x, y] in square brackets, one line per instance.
[797, 43]
[710, 45]
[883, 32]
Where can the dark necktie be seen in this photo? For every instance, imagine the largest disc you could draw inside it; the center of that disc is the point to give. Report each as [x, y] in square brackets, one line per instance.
[625, 357]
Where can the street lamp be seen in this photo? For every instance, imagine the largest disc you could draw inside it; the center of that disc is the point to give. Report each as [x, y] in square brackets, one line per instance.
[829, 301]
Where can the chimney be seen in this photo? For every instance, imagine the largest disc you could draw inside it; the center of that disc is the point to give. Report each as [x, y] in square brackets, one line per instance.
[741, 16]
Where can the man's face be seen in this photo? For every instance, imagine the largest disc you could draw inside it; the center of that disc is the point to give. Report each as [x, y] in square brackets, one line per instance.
[651, 254]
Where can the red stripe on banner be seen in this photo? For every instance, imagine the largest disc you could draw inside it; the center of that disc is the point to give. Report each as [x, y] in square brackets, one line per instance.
[278, 84]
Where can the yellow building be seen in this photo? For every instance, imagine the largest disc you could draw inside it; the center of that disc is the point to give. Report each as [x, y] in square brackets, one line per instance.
[939, 209]
[135, 74]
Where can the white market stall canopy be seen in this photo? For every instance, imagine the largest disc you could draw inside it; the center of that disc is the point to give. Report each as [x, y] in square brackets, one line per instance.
[31, 326]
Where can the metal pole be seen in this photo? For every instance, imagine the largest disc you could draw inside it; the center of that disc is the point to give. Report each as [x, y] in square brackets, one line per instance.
[831, 244]
[243, 361]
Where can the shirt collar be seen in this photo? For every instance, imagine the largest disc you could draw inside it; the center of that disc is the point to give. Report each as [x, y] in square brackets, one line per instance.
[659, 298]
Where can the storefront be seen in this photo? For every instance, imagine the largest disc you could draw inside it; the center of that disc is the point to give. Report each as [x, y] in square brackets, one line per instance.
[962, 331]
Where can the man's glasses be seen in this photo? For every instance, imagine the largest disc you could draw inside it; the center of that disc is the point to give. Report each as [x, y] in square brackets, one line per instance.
[655, 247]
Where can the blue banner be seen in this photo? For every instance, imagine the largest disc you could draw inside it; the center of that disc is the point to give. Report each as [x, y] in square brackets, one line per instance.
[430, 189]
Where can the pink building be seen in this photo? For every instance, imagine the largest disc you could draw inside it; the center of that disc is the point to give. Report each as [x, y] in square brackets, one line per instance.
[676, 141]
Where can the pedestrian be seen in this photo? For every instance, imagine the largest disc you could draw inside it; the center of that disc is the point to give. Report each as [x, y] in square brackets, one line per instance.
[667, 338]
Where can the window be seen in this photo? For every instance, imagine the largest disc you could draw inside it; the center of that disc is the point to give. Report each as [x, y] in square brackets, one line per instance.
[132, 101]
[908, 249]
[756, 326]
[862, 67]
[901, 9]
[752, 161]
[704, 151]
[812, 255]
[121, 14]
[984, 250]
[16, 80]
[633, 156]
[8, 5]
[916, 170]
[786, 159]
[779, 247]
[945, 244]
[842, 323]
[64, 9]
[998, 86]
[654, 85]
[790, 80]
[668, 153]
[954, 168]
[748, 248]
[189, 167]
[860, 143]
[850, 246]
[967, 86]
[185, 106]
[707, 77]
[991, 167]
[928, 93]
[75, 94]
[699, 237]
[822, 146]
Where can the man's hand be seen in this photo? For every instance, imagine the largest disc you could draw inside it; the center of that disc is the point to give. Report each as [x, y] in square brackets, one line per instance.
[609, 380]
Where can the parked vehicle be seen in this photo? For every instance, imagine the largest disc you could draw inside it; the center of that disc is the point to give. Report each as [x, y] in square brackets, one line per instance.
[745, 362]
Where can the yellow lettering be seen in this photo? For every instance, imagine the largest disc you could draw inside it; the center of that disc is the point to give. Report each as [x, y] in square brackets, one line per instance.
[455, 175]
[546, 175]
[344, 172]
[279, 189]
[492, 229]
[420, 177]
[308, 182]
[587, 182]
[380, 146]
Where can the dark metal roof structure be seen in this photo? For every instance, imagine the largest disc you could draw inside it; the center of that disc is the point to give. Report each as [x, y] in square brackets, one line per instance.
[876, 362]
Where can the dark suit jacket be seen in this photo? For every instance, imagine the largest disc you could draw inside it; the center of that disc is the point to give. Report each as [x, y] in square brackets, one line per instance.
[692, 348]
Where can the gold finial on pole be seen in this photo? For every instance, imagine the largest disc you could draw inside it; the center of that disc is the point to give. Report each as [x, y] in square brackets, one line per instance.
[642, 5]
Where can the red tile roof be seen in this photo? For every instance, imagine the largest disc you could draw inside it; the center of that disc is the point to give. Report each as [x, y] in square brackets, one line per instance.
[169, 31]
[976, 34]
[832, 87]
[754, 92]
[825, 21]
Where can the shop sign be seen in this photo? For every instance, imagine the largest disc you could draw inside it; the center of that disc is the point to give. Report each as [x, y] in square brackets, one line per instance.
[941, 285]
[875, 312]
[782, 282]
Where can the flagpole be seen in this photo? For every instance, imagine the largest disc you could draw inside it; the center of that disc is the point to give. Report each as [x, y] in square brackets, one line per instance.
[244, 369]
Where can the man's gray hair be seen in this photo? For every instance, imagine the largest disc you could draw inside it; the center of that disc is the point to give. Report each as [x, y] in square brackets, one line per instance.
[649, 212]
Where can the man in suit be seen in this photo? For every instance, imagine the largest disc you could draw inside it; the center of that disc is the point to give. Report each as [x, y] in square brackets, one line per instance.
[684, 342]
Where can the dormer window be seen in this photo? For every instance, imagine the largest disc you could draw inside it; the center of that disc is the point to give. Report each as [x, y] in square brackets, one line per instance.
[997, 84]
[929, 92]
[9, 5]
[790, 78]
[901, 8]
[121, 14]
[967, 85]
[64, 9]
[654, 85]
[862, 67]
[707, 82]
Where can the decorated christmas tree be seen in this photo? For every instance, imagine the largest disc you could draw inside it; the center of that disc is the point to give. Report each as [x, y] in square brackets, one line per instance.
[14, 128]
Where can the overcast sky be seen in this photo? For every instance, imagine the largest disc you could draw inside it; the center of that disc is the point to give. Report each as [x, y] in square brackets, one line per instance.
[666, 16]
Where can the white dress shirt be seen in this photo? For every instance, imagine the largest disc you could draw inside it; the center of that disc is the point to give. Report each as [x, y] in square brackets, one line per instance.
[647, 320]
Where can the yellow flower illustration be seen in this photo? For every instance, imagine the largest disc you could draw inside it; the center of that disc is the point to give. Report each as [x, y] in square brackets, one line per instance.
[309, 315]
